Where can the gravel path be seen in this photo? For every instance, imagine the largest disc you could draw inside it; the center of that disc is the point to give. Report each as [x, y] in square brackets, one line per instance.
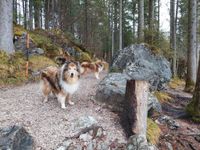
[47, 122]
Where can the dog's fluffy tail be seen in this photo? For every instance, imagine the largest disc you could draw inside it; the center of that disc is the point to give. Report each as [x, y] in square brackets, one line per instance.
[44, 77]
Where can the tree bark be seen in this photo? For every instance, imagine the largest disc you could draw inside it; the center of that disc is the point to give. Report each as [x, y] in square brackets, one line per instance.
[151, 15]
[141, 21]
[173, 35]
[120, 24]
[6, 26]
[136, 106]
[192, 45]
[194, 106]
[30, 15]
[37, 6]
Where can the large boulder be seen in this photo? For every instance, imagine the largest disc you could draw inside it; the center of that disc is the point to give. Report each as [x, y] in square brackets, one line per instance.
[111, 91]
[15, 138]
[140, 63]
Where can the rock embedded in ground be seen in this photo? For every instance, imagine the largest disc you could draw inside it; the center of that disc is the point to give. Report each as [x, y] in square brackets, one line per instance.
[84, 122]
[88, 138]
[139, 142]
[111, 90]
[15, 138]
[172, 124]
[140, 63]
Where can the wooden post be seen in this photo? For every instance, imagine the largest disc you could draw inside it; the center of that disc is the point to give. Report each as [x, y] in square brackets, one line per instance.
[27, 54]
[136, 106]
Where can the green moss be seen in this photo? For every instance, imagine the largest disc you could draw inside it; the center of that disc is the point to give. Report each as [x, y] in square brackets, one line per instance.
[11, 68]
[84, 57]
[40, 62]
[153, 131]
[189, 87]
[193, 109]
[155, 50]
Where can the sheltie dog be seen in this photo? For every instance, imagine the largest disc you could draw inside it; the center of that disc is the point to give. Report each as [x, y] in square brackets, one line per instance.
[95, 67]
[62, 82]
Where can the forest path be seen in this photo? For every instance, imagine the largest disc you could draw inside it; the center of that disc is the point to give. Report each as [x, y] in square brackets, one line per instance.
[187, 135]
[47, 122]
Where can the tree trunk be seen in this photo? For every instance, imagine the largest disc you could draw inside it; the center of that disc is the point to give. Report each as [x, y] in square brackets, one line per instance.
[192, 45]
[6, 26]
[46, 11]
[173, 35]
[30, 15]
[86, 23]
[151, 15]
[136, 106]
[134, 20]
[37, 14]
[25, 5]
[194, 106]
[141, 21]
[120, 24]
[158, 17]
[15, 11]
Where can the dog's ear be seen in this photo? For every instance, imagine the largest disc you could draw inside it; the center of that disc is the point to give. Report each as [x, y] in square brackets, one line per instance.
[60, 60]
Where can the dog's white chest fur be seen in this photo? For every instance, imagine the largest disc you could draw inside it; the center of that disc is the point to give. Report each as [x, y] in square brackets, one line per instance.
[69, 88]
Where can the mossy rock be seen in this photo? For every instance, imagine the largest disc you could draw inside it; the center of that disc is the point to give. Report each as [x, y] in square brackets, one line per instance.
[11, 68]
[155, 50]
[193, 109]
[84, 57]
[18, 30]
[40, 62]
[153, 131]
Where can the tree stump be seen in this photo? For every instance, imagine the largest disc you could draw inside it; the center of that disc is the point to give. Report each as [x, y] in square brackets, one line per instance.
[136, 106]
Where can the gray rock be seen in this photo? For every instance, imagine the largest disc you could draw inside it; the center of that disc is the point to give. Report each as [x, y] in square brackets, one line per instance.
[84, 122]
[15, 138]
[172, 124]
[111, 90]
[37, 51]
[139, 142]
[169, 146]
[139, 63]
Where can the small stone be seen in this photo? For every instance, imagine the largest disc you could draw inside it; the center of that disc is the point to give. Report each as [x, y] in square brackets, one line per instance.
[62, 148]
[197, 138]
[85, 137]
[99, 132]
[169, 146]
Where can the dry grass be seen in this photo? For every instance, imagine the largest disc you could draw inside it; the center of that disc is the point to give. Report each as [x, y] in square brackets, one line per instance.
[162, 96]
[176, 83]
[153, 132]
[12, 67]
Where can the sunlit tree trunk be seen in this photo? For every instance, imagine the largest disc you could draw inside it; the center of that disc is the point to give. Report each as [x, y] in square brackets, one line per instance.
[6, 26]
[141, 21]
[192, 45]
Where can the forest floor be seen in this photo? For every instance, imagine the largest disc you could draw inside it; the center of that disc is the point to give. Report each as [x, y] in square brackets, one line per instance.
[187, 135]
[49, 124]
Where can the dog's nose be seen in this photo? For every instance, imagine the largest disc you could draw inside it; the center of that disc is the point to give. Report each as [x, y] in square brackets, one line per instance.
[72, 74]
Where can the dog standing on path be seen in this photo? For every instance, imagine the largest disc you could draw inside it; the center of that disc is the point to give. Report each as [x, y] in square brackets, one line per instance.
[62, 82]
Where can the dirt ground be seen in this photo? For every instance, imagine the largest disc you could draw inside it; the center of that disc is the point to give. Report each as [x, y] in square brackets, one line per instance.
[47, 122]
[187, 136]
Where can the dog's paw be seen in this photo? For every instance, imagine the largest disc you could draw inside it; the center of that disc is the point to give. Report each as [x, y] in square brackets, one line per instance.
[45, 100]
[71, 103]
[63, 107]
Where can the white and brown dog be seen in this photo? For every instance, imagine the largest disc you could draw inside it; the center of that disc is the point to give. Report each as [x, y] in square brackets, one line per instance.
[62, 82]
[95, 67]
